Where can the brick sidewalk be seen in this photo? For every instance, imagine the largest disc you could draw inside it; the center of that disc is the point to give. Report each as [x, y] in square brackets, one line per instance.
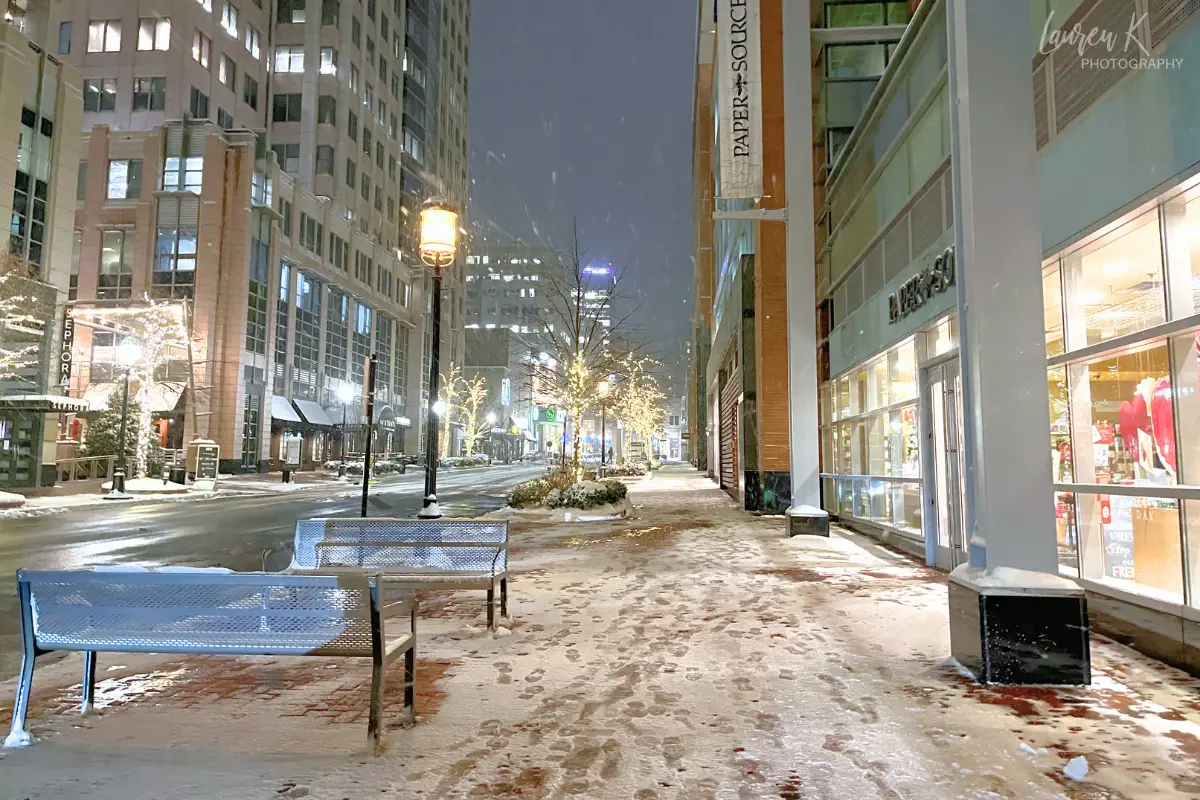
[694, 652]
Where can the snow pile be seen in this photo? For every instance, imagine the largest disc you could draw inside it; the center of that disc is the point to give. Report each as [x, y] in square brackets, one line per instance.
[1014, 579]
[149, 486]
[1077, 768]
[11, 500]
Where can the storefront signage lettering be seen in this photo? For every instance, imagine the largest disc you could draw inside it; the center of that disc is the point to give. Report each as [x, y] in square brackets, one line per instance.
[919, 289]
[66, 349]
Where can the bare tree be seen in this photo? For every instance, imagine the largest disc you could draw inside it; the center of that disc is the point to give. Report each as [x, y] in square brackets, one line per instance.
[584, 340]
[474, 394]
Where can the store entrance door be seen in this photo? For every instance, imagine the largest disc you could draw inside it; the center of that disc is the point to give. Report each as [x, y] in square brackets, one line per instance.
[947, 498]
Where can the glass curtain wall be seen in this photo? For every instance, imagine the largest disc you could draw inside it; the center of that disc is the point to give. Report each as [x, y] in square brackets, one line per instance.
[1124, 390]
[870, 450]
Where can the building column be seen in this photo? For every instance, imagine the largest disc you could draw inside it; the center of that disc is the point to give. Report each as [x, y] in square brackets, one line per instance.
[801, 256]
[1012, 619]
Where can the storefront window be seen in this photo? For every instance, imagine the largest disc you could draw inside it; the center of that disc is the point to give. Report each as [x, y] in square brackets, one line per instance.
[902, 368]
[826, 403]
[1067, 534]
[1060, 426]
[878, 385]
[1052, 300]
[942, 338]
[1133, 543]
[1117, 284]
[1122, 407]
[843, 398]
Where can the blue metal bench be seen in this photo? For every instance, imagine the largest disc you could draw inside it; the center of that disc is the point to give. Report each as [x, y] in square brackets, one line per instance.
[410, 553]
[210, 613]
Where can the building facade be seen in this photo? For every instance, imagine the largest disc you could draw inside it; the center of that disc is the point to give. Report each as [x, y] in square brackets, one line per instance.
[508, 285]
[362, 108]
[285, 300]
[920, 435]
[40, 111]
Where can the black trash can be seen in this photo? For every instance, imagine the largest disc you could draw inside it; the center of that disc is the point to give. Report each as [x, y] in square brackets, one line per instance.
[178, 475]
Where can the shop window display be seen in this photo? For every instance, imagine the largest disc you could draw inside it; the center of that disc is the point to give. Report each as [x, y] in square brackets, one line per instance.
[1056, 343]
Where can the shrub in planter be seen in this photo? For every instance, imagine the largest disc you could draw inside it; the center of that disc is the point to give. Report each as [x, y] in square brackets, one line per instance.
[589, 494]
[332, 465]
[529, 494]
[554, 498]
[354, 469]
[616, 490]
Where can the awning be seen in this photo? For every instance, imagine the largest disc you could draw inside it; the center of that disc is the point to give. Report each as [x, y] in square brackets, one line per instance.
[313, 413]
[163, 397]
[42, 402]
[282, 410]
[96, 395]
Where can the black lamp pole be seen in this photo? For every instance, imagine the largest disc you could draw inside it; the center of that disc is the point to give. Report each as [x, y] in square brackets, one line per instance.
[430, 507]
[119, 477]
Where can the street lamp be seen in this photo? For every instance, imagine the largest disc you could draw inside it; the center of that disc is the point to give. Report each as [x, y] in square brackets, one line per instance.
[439, 246]
[129, 352]
[603, 388]
[345, 395]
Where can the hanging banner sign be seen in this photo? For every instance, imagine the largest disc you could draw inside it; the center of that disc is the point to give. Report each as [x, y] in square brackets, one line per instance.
[66, 349]
[739, 70]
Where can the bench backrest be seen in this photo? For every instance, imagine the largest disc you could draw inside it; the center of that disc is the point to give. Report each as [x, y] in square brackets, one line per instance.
[384, 544]
[233, 613]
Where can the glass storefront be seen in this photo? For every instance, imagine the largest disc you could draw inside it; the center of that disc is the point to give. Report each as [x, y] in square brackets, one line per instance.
[870, 454]
[1124, 391]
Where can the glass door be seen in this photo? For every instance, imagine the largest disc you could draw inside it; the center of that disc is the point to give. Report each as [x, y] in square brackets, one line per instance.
[943, 385]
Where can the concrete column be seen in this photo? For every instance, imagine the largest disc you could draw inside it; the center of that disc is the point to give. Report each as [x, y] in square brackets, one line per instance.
[998, 243]
[801, 290]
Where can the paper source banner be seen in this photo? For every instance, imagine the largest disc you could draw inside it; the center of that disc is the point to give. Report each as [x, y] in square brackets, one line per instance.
[739, 69]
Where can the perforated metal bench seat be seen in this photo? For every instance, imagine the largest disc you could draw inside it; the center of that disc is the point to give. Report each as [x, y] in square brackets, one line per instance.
[410, 553]
[208, 613]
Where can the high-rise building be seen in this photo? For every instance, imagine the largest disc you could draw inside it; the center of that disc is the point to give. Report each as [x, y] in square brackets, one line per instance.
[39, 141]
[508, 285]
[346, 115]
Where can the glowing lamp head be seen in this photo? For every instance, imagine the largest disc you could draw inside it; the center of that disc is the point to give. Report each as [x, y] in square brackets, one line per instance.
[439, 408]
[439, 233]
[129, 352]
[603, 386]
[345, 392]
[491, 418]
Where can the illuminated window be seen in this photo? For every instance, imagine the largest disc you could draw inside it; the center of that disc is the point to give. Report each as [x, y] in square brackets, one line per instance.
[104, 36]
[154, 34]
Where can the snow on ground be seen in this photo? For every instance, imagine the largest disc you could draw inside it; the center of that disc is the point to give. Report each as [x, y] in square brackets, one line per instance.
[692, 652]
[11, 500]
[147, 485]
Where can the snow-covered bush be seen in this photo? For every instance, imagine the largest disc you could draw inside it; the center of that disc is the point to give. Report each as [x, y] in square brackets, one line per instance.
[588, 494]
[529, 494]
[457, 462]
[354, 469]
[627, 468]
[554, 498]
[332, 464]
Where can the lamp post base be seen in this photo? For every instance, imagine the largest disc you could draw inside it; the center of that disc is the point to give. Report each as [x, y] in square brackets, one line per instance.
[431, 509]
[117, 492]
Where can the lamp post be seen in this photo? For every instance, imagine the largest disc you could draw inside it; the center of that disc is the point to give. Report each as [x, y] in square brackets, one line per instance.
[439, 245]
[129, 352]
[491, 421]
[345, 394]
[603, 388]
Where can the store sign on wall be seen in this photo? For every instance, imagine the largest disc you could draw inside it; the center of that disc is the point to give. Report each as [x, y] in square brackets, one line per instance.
[920, 289]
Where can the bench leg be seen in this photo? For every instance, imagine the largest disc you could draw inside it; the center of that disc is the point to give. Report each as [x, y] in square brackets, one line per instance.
[375, 721]
[491, 607]
[410, 684]
[504, 598]
[18, 737]
[89, 682]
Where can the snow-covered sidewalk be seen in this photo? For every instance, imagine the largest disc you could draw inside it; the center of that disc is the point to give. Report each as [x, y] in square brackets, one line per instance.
[692, 652]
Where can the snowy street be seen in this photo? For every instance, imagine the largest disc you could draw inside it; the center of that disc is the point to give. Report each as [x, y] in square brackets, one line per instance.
[692, 652]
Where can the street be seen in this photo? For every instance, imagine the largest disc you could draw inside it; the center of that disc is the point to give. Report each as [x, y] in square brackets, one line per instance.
[228, 531]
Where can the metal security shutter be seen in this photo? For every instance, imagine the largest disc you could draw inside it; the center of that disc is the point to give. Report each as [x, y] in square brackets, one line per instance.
[729, 438]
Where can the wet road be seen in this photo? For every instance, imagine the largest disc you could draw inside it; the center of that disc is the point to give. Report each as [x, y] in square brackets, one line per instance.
[219, 532]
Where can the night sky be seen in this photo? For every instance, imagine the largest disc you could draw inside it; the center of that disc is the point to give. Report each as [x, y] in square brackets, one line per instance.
[583, 108]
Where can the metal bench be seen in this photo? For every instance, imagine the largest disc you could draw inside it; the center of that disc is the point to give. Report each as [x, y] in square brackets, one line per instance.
[410, 553]
[210, 613]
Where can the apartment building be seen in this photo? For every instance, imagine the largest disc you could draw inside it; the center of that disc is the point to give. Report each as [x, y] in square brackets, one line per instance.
[508, 285]
[40, 109]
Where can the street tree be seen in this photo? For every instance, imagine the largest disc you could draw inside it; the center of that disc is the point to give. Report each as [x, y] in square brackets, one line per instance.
[639, 401]
[450, 395]
[474, 395]
[583, 339]
[104, 437]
